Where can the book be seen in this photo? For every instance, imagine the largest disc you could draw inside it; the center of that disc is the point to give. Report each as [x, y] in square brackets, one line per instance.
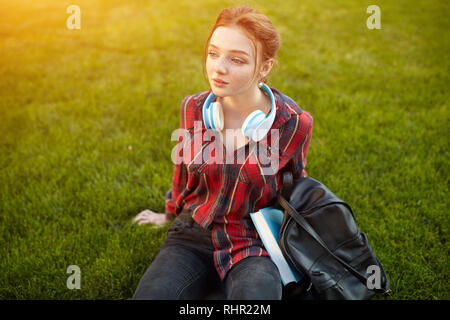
[268, 222]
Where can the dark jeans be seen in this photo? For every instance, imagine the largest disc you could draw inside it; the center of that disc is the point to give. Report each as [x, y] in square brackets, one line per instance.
[184, 269]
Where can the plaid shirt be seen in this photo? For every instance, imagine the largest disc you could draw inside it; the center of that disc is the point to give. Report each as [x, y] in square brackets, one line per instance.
[221, 195]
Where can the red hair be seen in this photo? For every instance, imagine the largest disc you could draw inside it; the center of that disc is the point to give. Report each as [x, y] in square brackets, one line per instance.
[256, 26]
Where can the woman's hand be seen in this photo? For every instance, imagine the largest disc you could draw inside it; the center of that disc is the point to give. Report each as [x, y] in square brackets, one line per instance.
[150, 217]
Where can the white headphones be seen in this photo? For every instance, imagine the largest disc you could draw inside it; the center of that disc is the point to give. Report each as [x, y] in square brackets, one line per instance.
[255, 126]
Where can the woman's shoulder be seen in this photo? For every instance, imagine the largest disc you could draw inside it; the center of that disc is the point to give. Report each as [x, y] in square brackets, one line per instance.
[196, 100]
[293, 118]
[191, 108]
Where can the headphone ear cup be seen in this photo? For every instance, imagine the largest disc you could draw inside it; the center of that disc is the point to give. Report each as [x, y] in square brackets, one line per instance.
[217, 115]
[205, 113]
[251, 123]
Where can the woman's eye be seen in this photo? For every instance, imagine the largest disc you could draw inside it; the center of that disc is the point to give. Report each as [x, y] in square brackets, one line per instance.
[238, 61]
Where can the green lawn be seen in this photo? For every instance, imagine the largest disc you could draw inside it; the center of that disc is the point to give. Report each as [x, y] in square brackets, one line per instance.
[86, 118]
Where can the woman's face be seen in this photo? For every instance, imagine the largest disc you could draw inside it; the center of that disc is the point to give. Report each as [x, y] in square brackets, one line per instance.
[231, 58]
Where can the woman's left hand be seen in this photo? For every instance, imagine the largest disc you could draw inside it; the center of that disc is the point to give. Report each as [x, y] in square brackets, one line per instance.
[150, 217]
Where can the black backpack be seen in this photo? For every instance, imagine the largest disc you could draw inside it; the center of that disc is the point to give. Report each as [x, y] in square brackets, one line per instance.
[320, 239]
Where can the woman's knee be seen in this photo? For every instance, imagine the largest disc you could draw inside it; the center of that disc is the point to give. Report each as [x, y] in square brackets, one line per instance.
[176, 273]
[255, 278]
[156, 284]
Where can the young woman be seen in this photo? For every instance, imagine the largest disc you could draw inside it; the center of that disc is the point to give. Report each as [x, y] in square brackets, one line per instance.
[212, 240]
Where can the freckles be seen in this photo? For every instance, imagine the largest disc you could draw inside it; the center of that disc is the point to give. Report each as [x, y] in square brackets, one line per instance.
[243, 73]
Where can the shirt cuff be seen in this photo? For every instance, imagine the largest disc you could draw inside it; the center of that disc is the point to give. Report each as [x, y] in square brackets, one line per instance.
[169, 216]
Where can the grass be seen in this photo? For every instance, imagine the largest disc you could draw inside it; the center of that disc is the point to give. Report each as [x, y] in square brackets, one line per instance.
[86, 117]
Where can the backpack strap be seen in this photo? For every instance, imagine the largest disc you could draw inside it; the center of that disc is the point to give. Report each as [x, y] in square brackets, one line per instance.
[288, 179]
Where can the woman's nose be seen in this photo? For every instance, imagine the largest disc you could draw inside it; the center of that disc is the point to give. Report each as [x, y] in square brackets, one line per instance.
[220, 66]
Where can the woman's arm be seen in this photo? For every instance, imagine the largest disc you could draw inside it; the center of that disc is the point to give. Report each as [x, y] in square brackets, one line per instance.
[179, 179]
[296, 152]
[306, 121]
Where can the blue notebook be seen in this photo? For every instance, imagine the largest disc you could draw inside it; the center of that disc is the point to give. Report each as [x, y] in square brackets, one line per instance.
[268, 223]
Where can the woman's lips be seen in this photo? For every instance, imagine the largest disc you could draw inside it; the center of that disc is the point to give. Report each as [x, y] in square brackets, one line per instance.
[219, 83]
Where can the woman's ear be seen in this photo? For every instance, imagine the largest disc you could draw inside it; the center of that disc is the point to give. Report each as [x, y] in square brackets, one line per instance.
[267, 66]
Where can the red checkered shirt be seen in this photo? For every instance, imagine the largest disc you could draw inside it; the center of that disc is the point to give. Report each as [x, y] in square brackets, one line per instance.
[221, 195]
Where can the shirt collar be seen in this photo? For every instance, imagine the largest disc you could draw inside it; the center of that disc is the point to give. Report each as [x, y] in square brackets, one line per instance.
[283, 114]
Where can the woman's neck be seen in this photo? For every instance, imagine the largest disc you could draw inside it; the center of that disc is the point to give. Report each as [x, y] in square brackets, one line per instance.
[246, 103]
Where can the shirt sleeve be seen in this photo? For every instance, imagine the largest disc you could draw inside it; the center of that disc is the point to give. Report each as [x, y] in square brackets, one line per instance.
[297, 150]
[299, 162]
[179, 179]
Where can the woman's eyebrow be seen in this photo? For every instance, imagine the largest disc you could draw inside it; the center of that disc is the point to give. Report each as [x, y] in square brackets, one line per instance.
[238, 51]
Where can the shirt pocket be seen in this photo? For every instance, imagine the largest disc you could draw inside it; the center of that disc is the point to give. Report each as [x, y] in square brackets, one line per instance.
[197, 163]
[201, 164]
[259, 170]
[197, 168]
